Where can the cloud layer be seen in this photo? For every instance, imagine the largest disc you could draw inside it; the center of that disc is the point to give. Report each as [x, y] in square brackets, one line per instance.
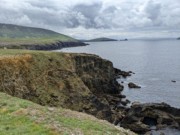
[88, 19]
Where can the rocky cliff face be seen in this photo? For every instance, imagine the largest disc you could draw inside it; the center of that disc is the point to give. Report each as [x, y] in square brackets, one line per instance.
[97, 74]
[79, 82]
[142, 118]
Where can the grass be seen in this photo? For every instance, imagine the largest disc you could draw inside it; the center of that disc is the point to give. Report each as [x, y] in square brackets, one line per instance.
[20, 35]
[21, 117]
[34, 40]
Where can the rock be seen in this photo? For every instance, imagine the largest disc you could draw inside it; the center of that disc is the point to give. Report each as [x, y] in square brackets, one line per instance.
[131, 72]
[122, 96]
[125, 102]
[132, 85]
[135, 103]
[51, 109]
[119, 96]
[119, 73]
[173, 81]
[141, 117]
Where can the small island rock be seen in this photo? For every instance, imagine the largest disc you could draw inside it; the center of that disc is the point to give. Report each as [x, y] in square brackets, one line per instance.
[132, 85]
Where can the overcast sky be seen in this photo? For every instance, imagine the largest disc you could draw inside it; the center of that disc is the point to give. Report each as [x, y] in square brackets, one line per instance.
[96, 18]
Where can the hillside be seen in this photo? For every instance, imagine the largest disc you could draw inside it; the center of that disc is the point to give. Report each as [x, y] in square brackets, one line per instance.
[24, 117]
[103, 39]
[14, 36]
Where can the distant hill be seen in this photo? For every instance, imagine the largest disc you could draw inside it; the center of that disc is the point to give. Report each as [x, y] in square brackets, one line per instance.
[103, 39]
[20, 35]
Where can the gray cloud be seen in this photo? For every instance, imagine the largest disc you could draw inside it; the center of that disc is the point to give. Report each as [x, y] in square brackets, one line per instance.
[123, 18]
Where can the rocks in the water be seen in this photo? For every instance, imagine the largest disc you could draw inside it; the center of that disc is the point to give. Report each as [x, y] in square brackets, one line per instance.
[119, 73]
[133, 85]
[141, 117]
[125, 102]
[173, 81]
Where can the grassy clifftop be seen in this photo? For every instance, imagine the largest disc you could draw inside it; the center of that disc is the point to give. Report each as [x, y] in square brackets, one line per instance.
[20, 35]
[24, 117]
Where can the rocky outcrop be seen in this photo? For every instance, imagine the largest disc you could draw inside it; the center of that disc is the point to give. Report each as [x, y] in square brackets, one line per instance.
[98, 74]
[124, 74]
[142, 118]
[133, 85]
[100, 77]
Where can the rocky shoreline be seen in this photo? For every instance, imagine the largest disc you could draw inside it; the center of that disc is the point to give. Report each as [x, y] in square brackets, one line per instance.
[143, 118]
[47, 47]
[54, 46]
[84, 83]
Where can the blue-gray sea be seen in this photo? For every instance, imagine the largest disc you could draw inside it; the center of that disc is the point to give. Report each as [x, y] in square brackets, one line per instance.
[155, 63]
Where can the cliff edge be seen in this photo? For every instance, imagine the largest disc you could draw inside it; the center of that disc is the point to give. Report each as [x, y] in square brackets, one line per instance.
[80, 82]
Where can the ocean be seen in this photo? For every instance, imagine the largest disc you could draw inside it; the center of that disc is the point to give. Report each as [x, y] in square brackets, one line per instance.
[156, 64]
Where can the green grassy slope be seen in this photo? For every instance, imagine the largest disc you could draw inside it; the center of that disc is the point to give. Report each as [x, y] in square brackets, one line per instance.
[17, 35]
[18, 116]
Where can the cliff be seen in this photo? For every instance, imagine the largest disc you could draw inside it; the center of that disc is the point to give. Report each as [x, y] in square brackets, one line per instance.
[79, 82]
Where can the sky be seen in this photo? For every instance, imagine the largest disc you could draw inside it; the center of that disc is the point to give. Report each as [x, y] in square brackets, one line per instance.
[86, 19]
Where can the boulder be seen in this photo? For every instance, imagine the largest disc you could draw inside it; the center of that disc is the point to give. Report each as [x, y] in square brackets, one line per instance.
[119, 73]
[173, 81]
[133, 85]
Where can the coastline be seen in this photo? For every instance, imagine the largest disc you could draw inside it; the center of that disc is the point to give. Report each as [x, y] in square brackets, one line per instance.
[45, 47]
[87, 84]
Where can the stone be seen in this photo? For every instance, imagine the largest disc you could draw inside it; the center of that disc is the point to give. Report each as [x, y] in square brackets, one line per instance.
[133, 85]
[142, 117]
[119, 73]
[173, 81]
